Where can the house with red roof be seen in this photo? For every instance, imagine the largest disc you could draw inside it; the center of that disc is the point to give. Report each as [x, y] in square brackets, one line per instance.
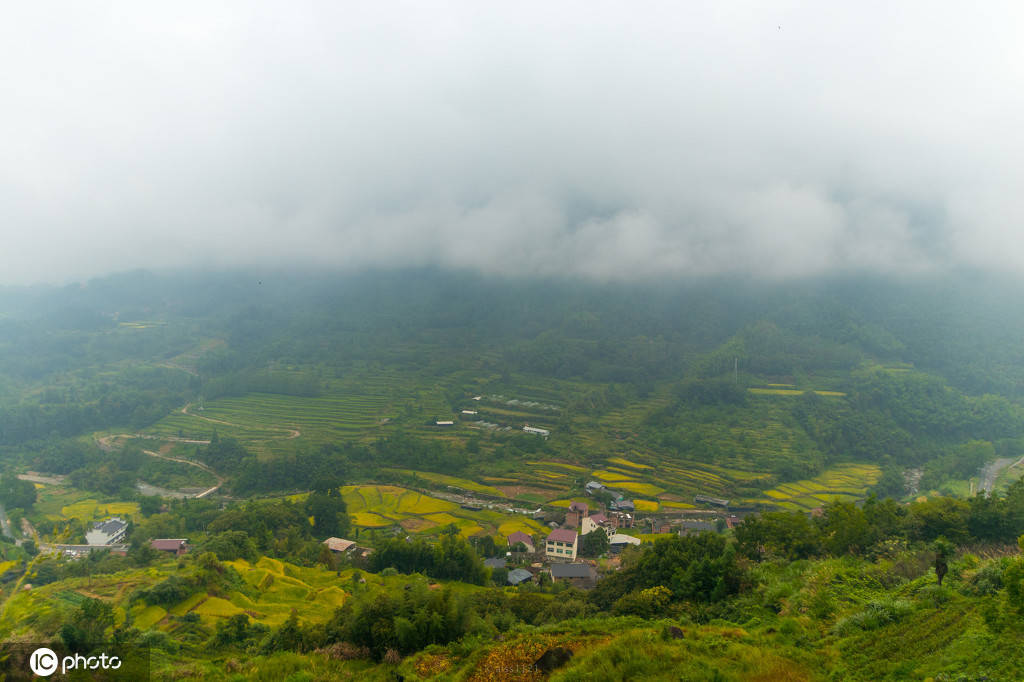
[519, 536]
[176, 546]
[561, 545]
[577, 512]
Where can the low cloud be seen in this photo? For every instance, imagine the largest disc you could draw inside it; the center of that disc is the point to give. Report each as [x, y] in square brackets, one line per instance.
[582, 138]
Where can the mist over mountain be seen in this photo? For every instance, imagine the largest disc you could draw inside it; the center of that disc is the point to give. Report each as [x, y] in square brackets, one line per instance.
[771, 141]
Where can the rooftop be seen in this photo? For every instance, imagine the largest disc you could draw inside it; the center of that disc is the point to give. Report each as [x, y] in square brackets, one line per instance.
[518, 575]
[573, 571]
[339, 544]
[110, 526]
[562, 535]
[519, 536]
[622, 538]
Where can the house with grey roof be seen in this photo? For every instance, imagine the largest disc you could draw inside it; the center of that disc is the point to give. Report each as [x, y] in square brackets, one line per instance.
[107, 532]
[582, 576]
[519, 575]
[340, 545]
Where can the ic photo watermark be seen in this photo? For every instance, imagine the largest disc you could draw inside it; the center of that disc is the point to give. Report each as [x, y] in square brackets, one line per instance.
[21, 661]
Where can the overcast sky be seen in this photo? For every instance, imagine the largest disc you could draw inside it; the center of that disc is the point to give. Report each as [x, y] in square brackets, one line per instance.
[625, 140]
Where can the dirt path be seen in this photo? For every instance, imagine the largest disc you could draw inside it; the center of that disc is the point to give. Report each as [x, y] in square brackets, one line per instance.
[105, 441]
[292, 433]
[33, 477]
[195, 463]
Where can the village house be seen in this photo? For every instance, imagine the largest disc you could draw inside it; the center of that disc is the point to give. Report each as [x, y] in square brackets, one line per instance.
[519, 575]
[620, 541]
[597, 521]
[519, 536]
[623, 505]
[574, 517]
[340, 545]
[621, 519]
[175, 546]
[580, 576]
[107, 532]
[561, 545]
[692, 527]
[535, 431]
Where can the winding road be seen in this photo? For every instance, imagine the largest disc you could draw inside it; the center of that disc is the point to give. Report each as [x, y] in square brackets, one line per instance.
[106, 443]
[991, 471]
[195, 463]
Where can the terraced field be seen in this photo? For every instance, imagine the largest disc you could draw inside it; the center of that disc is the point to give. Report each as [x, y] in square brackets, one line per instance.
[276, 589]
[381, 506]
[265, 416]
[845, 483]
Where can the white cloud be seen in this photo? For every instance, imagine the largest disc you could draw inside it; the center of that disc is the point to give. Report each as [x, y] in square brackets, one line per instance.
[590, 138]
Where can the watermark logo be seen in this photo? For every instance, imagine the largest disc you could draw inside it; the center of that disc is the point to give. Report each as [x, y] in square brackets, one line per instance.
[43, 662]
[107, 661]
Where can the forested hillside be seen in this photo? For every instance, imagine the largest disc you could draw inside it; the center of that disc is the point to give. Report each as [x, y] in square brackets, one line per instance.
[833, 445]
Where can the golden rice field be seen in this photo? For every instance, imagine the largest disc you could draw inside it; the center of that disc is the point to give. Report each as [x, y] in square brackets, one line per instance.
[89, 510]
[521, 523]
[611, 476]
[561, 465]
[568, 501]
[672, 504]
[648, 489]
[844, 483]
[627, 463]
[382, 506]
[452, 481]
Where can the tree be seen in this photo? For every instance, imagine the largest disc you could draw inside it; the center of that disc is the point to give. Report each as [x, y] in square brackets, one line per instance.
[940, 517]
[789, 535]
[845, 529]
[327, 558]
[87, 626]
[594, 543]
[329, 512]
[15, 492]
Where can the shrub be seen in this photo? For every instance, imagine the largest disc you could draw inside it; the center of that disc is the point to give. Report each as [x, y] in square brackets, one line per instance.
[345, 651]
[875, 614]
[988, 580]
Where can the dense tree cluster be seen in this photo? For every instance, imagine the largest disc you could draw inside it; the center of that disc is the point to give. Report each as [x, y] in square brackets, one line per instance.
[451, 558]
[846, 528]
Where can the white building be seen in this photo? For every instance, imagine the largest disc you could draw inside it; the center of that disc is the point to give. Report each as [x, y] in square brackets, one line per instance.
[535, 431]
[106, 532]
